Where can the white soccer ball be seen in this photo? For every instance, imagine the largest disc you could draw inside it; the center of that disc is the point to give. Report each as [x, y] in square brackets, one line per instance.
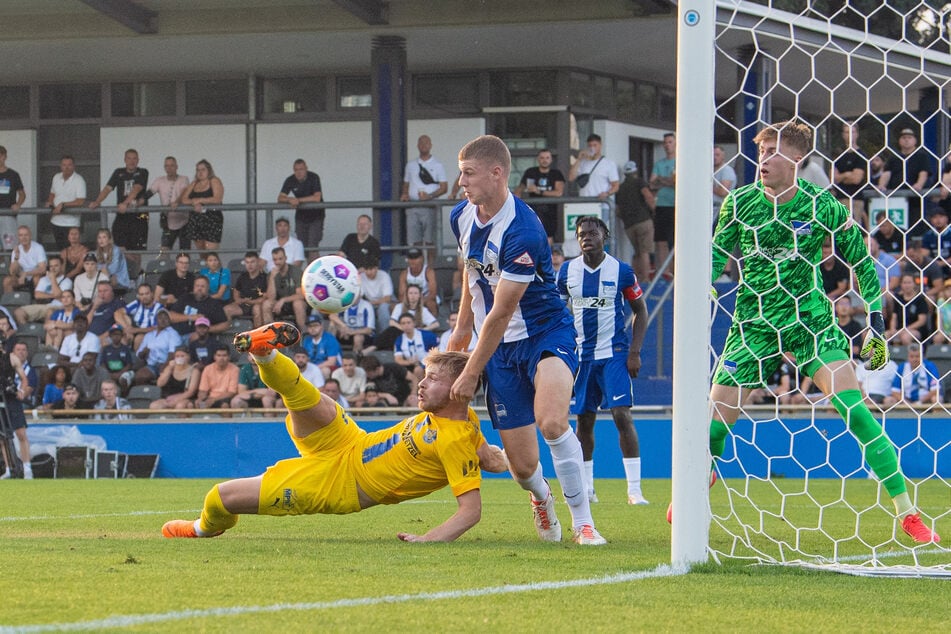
[331, 284]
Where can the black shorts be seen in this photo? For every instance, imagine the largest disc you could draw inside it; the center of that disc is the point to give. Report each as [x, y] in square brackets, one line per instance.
[287, 310]
[664, 225]
[15, 413]
[131, 230]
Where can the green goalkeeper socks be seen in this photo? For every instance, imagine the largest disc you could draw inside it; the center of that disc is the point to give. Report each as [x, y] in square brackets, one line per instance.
[718, 434]
[879, 452]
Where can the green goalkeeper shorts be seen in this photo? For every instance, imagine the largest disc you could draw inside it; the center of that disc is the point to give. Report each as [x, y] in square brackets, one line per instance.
[753, 350]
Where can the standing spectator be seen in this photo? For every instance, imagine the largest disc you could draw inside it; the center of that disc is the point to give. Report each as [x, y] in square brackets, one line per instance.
[118, 359]
[355, 326]
[249, 291]
[284, 297]
[138, 316]
[102, 312]
[850, 174]
[156, 348]
[178, 381]
[909, 323]
[60, 322]
[663, 181]
[12, 195]
[413, 345]
[293, 248]
[526, 335]
[47, 294]
[25, 382]
[361, 247]
[594, 174]
[724, 179]
[377, 288]
[172, 219]
[321, 347]
[418, 273]
[79, 342]
[175, 283]
[88, 378]
[303, 186]
[73, 254]
[219, 279]
[219, 382]
[909, 170]
[308, 370]
[131, 227]
[351, 378]
[27, 264]
[68, 191]
[423, 179]
[600, 289]
[542, 181]
[635, 208]
[112, 262]
[202, 344]
[111, 402]
[252, 392]
[917, 380]
[186, 312]
[203, 194]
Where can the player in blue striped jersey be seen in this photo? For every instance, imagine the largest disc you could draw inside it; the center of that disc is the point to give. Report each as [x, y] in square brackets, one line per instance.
[526, 337]
[599, 289]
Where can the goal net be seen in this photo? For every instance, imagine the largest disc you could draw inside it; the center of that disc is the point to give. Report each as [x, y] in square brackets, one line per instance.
[794, 486]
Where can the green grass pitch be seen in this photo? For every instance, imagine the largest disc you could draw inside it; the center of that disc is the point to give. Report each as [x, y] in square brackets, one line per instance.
[88, 556]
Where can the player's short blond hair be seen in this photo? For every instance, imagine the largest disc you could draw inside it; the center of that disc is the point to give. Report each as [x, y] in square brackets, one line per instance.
[795, 134]
[452, 362]
[487, 149]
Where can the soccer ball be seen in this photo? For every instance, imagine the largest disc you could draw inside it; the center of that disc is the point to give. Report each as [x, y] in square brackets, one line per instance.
[331, 284]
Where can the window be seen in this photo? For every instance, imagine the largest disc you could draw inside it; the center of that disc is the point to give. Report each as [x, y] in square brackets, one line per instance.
[145, 99]
[295, 94]
[70, 101]
[625, 100]
[446, 91]
[522, 88]
[14, 102]
[216, 96]
[354, 92]
[668, 105]
[645, 102]
[580, 89]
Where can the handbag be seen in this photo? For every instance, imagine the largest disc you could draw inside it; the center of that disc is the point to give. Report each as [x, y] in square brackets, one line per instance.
[425, 177]
[583, 179]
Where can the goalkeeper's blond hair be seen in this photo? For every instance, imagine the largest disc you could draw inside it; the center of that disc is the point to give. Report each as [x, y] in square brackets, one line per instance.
[794, 133]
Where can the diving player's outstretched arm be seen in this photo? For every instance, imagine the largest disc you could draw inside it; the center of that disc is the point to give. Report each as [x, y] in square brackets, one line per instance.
[466, 516]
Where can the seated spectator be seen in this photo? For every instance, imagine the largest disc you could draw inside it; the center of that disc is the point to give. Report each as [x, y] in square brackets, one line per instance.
[111, 261]
[27, 264]
[321, 347]
[72, 256]
[156, 348]
[412, 305]
[444, 337]
[195, 305]
[778, 388]
[909, 323]
[219, 382]
[202, 347]
[86, 283]
[374, 398]
[251, 389]
[937, 241]
[250, 291]
[943, 315]
[293, 248]
[390, 378]
[60, 322]
[349, 377]
[118, 359]
[47, 294]
[916, 381]
[69, 401]
[876, 386]
[852, 328]
[308, 370]
[919, 263]
[413, 345]
[889, 238]
[58, 380]
[284, 297]
[111, 404]
[219, 279]
[361, 247]
[175, 283]
[79, 343]
[179, 382]
[418, 273]
[102, 311]
[376, 287]
[138, 316]
[331, 389]
[835, 274]
[89, 377]
[355, 326]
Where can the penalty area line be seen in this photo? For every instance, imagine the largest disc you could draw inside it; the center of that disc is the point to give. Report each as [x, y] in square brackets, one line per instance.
[165, 617]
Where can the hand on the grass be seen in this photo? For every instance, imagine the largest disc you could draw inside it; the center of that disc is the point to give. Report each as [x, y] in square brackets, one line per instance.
[875, 348]
[409, 537]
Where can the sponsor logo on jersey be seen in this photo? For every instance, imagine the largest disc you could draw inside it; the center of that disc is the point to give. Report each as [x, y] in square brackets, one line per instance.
[802, 228]
[500, 410]
[430, 436]
[525, 259]
[729, 366]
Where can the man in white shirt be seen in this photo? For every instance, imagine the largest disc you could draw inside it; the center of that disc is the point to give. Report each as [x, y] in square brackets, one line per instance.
[68, 190]
[27, 265]
[293, 247]
[78, 343]
[308, 370]
[595, 174]
[169, 189]
[423, 179]
[47, 293]
[376, 287]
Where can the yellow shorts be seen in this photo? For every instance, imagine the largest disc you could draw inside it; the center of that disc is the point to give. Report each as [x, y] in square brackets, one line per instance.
[321, 480]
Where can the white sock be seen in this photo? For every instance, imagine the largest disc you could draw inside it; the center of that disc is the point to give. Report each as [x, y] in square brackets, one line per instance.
[632, 469]
[6, 472]
[569, 467]
[270, 356]
[589, 474]
[27, 468]
[535, 484]
[197, 525]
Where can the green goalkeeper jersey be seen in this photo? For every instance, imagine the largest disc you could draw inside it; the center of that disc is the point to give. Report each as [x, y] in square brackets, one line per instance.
[780, 251]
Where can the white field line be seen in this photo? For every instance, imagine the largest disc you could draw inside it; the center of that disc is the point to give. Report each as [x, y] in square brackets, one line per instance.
[132, 620]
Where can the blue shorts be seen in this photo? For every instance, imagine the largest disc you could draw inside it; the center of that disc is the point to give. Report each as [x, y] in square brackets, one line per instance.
[510, 375]
[603, 383]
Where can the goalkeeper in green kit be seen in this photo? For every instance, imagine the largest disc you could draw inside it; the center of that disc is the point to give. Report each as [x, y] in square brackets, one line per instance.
[779, 224]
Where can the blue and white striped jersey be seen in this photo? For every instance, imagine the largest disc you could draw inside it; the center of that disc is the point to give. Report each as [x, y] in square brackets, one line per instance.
[512, 246]
[142, 316]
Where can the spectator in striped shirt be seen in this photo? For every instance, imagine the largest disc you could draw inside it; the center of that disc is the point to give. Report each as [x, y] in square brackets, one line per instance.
[138, 316]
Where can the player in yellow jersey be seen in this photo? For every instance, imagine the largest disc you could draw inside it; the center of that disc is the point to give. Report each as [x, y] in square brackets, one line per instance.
[344, 469]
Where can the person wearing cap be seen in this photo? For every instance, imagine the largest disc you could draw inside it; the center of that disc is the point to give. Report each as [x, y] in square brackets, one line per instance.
[293, 248]
[156, 348]
[84, 286]
[557, 258]
[118, 359]
[635, 207]
[69, 401]
[543, 181]
[909, 170]
[422, 275]
[202, 344]
[321, 347]
[303, 186]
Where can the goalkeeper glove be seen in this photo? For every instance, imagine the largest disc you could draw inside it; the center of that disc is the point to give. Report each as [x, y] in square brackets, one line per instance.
[875, 348]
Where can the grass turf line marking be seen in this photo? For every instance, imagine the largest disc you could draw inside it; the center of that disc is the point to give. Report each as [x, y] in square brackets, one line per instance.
[143, 619]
